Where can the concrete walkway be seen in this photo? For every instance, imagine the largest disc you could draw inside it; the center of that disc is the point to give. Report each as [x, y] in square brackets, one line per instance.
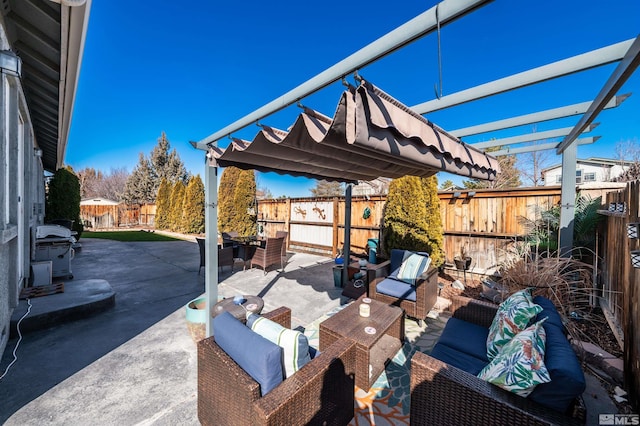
[135, 363]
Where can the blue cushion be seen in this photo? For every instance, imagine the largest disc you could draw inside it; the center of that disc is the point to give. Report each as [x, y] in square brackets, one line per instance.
[260, 358]
[567, 378]
[397, 289]
[458, 359]
[466, 337]
[397, 256]
[549, 311]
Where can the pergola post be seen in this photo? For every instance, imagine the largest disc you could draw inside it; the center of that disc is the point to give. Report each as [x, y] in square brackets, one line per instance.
[568, 199]
[211, 239]
[346, 255]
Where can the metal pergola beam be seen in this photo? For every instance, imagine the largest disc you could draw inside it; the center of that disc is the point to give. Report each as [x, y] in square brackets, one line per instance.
[535, 117]
[531, 137]
[421, 25]
[623, 71]
[541, 147]
[594, 58]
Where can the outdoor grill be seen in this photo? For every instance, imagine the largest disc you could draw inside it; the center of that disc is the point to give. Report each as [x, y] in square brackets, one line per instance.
[54, 243]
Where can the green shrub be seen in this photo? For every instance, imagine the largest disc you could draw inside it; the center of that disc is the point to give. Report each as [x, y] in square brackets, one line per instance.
[412, 218]
[63, 199]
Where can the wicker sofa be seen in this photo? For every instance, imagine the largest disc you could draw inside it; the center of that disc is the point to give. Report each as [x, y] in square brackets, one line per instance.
[321, 392]
[448, 392]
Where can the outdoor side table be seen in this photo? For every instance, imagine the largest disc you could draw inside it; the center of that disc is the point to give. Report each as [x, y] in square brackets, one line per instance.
[251, 304]
[373, 350]
[371, 270]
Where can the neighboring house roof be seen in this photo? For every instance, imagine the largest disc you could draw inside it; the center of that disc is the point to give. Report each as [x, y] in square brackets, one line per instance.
[594, 161]
[49, 39]
[97, 201]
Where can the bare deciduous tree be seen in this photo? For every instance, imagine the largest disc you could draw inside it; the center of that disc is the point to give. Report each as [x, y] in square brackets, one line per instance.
[531, 165]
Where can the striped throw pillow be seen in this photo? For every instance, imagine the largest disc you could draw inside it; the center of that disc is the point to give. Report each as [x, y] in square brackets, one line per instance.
[295, 345]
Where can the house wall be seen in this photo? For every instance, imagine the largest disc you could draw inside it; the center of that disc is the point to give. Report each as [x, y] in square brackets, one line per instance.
[601, 173]
[21, 194]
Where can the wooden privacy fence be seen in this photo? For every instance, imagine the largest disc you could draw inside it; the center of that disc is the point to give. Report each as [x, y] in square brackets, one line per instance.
[485, 222]
[101, 216]
[620, 280]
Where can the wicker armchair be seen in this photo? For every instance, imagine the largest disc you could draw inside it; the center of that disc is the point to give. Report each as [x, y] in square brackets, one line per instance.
[443, 394]
[269, 255]
[225, 255]
[321, 392]
[426, 295]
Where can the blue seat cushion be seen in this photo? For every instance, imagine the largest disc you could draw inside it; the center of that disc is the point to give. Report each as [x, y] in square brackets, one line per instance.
[397, 289]
[258, 357]
[461, 360]
[466, 337]
[567, 377]
[549, 311]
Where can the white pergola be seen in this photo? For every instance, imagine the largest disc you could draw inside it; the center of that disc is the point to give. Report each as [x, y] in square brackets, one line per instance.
[626, 54]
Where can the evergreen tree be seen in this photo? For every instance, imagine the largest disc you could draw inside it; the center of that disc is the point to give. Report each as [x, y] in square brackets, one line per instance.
[412, 217]
[63, 198]
[244, 200]
[163, 205]
[446, 185]
[167, 165]
[226, 191]
[193, 208]
[140, 187]
[435, 232]
[177, 201]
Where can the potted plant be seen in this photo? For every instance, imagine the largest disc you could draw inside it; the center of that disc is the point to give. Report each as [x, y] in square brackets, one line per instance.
[462, 260]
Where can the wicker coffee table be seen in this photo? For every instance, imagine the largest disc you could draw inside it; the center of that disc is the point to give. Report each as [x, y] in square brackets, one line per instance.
[372, 349]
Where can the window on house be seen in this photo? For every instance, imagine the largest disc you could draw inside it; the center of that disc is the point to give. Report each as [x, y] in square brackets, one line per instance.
[590, 177]
[559, 179]
[578, 176]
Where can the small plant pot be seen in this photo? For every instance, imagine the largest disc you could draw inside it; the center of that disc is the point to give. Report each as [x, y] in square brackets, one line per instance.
[633, 230]
[612, 207]
[635, 258]
[196, 316]
[621, 207]
[462, 264]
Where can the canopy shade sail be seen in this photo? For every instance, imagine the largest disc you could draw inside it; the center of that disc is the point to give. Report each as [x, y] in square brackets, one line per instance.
[371, 135]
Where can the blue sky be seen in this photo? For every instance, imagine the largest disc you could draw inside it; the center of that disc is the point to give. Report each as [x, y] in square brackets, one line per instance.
[189, 69]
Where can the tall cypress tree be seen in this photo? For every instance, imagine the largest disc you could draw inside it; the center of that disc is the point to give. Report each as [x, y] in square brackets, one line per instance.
[63, 198]
[177, 201]
[243, 201]
[163, 205]
[412, 217]
[226, 192]
[193, 208]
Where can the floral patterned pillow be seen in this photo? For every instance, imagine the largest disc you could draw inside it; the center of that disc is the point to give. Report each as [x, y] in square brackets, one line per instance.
[519, 367]
[513, 316]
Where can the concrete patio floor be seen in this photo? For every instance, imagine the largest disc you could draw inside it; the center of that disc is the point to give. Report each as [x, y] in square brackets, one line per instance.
[135, 363]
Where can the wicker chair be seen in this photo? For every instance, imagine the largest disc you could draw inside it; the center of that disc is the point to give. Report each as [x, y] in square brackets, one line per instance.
[269, 255]
[426, 294]
[443, 394]
[225, 255]
[283, 235]
[321, 392]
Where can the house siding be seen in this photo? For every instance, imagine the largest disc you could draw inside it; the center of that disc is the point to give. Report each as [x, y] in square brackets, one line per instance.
[21, 195]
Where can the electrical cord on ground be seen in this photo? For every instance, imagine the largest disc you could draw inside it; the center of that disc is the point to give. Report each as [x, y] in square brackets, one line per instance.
[15, 356]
